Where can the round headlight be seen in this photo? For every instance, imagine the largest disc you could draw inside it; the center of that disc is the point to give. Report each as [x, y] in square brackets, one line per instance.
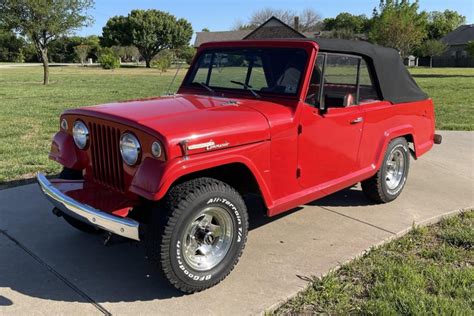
[129, 148]
[80, 133]
[156, 149]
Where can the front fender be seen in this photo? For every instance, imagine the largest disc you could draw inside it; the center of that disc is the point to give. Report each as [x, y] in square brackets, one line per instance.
[64, 151]
[154, 178]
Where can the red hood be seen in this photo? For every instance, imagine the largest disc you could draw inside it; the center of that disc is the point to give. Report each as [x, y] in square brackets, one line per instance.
[198, 119]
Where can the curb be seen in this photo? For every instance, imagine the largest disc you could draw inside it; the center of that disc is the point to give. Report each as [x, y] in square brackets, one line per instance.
[427, 222]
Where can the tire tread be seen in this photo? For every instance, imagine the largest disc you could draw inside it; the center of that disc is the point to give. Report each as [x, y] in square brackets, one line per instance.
[177, 201]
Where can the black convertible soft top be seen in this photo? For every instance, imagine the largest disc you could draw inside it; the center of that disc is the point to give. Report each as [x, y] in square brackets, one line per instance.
[393, 79]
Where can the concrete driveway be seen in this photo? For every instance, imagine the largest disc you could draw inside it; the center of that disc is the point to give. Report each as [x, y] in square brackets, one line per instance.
[47, 267]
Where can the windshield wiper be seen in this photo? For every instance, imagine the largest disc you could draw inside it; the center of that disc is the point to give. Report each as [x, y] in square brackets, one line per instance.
[205, 86]
[246, 86]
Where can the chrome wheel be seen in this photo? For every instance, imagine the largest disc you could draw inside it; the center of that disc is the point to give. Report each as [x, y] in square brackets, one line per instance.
[208, 238]
[395, 170]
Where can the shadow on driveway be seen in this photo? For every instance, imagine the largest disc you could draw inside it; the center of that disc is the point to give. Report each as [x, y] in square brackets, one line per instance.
[117, 272]
[349, 197]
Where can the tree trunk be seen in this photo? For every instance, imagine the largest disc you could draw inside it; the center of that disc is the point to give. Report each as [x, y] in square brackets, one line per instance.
[147, 62]
[431, 61]
[44, 57]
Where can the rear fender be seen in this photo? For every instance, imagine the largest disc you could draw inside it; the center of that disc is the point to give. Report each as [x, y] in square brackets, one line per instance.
[388, 136]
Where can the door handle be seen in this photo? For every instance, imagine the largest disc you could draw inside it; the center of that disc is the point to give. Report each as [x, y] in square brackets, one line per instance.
[357, 120]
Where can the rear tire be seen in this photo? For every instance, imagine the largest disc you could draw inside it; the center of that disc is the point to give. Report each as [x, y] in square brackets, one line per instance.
[71, 174]
[202, 238]
[387, 184]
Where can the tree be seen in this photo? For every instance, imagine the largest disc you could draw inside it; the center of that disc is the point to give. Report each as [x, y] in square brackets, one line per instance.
[126, 53]
[398, 24]
[441, 23]
[432, 48]
[150, 31]
[131, 53]
[346, 21]
[205, 30]
[186, 53]
[82, 51]
[239, 26]
[261, 16]
[309, 20]
[43, 21]
[343, 34]
[11, 46]
[470, 48]
[63, 49]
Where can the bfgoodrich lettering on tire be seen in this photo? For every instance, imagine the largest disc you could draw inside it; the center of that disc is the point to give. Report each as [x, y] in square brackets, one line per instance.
[204, 234]
[389, 181]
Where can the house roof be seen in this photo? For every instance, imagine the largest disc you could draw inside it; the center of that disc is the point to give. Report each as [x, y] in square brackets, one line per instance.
[460, 36]
[205, 37]
[272, 28]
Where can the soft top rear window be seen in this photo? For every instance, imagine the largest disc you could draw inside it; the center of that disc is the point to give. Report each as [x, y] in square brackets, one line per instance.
[260, 70]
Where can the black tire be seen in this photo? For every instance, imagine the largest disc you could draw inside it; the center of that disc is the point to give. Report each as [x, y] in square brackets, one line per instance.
[168, 236]
[376, 188]
[71, 174]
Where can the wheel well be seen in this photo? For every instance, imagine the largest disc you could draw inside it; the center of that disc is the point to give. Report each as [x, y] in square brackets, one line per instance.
[411, 144]
[236, 175]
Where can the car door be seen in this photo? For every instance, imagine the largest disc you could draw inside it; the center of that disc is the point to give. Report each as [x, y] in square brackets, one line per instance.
[329, 140]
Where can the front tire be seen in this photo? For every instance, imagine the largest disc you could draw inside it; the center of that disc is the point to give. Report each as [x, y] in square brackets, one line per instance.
[203, 236]
[387, 184]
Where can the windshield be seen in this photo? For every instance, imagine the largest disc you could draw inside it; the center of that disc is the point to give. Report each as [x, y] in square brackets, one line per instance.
[257, 70]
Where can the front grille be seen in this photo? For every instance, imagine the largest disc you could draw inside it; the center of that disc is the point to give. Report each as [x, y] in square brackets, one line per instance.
[106, 159]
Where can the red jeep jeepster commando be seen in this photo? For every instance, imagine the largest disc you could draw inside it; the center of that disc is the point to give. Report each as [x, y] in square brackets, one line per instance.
[289, 120]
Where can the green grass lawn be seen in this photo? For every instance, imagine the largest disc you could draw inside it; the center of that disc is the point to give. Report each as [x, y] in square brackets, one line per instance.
[452, 90]
[427, 272]
[30, 111]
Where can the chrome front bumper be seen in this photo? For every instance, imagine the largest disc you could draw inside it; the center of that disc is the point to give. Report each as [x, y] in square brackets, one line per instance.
[122, 226]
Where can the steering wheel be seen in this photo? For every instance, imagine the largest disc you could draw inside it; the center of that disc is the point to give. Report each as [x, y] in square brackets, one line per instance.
[311, 97]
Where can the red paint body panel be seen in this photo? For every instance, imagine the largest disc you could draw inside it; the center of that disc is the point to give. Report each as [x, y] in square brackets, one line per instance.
[295, 153]
[96, 196]
[64, 151]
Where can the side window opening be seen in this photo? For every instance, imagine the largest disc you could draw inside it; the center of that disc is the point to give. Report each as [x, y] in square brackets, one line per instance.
[314, 86]
[367, 90]
[340, 80]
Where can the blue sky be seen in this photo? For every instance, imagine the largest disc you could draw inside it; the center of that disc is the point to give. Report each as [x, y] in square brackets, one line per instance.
[221, 15]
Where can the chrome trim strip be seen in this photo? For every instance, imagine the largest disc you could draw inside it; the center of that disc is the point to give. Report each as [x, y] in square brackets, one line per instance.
[125, 227]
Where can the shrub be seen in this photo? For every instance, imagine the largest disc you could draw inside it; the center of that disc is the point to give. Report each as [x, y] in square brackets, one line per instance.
[163, 60]
[108, 59]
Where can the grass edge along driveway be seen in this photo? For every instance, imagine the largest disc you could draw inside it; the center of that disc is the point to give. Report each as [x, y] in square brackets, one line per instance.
[429, 271]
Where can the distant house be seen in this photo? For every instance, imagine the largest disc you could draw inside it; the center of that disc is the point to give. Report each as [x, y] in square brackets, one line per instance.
[272, 28]
[456, 54]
